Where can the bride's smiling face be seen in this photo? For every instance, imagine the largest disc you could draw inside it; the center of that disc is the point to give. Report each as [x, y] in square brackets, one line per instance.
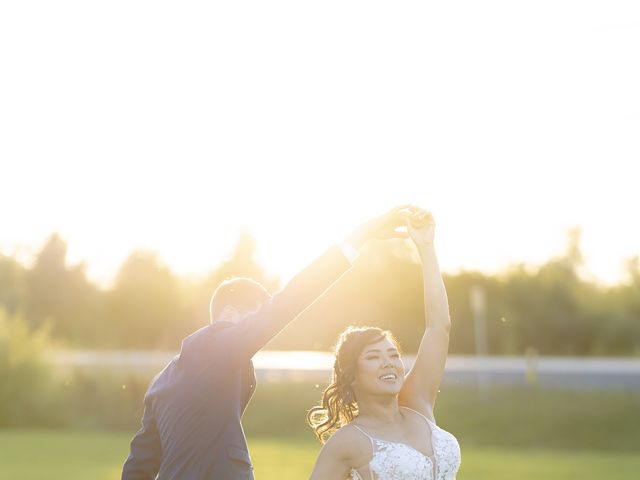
[379, 370]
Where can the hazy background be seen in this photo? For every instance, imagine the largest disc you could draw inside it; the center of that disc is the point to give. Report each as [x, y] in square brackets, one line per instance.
[149, 150]
[171, 126]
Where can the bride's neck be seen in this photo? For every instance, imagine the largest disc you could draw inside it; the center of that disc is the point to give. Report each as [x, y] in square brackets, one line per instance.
[379, 410]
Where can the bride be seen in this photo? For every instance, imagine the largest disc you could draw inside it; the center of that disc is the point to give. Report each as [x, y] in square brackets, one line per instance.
[379, 422]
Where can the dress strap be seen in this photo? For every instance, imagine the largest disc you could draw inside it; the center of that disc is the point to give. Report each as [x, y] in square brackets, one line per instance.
[373, 453]
[422, 415]
[365, 434]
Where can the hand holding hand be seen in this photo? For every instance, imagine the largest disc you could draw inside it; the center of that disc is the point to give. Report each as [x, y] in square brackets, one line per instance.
[382, 227]
[420, 225]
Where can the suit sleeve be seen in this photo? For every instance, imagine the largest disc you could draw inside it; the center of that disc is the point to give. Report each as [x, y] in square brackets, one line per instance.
[144, 460]
[254, 331]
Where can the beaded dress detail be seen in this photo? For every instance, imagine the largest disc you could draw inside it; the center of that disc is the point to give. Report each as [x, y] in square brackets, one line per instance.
[398, 461]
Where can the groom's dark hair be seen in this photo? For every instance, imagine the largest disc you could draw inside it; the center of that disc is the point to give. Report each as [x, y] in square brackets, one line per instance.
[242, 293]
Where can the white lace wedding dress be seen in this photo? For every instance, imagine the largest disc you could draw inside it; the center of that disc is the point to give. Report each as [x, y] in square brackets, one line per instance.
[397, 461]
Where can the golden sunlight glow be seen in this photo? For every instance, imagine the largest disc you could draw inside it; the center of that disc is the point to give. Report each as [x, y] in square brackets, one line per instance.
[296, 123]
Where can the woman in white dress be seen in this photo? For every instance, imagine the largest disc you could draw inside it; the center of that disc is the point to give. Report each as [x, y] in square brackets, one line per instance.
[378, 421]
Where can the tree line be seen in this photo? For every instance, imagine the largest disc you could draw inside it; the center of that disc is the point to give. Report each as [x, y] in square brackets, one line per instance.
[551, 308]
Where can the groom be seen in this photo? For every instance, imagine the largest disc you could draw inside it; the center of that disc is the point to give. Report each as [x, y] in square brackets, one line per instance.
[191, 426]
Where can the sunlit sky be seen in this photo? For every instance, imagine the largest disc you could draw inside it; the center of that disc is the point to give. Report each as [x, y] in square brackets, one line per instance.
[171, 126]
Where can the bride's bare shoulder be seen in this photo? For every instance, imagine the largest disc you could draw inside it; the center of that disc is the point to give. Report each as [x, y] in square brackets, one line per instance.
[351, 444]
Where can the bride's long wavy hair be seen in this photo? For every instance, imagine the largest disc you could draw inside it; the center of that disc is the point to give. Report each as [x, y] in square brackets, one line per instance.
[339, 404]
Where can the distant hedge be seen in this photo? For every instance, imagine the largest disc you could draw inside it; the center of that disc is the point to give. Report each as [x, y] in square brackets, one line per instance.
[27, 382]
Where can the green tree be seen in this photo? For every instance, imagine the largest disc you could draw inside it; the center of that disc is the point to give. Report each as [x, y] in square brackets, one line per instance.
[26, 382]
[61, 294]
[621, 329]
[553, 309]
[12, 284]
[144, 303]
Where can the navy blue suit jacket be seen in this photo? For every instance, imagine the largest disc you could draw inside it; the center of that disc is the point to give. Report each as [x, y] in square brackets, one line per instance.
[191, 426]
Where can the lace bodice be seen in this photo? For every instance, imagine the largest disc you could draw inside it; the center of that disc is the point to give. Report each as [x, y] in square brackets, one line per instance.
[397, 461]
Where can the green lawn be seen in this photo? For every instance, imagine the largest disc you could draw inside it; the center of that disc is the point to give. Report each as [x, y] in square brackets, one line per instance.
[75, 455]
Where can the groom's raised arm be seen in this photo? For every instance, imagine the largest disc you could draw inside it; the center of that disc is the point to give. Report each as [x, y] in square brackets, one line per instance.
[256, 329]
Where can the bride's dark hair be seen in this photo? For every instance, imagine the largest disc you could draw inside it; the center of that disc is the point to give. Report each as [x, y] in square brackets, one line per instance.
[339, 405]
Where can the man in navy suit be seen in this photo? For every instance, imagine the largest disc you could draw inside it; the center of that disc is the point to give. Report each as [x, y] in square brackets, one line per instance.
[191, 426]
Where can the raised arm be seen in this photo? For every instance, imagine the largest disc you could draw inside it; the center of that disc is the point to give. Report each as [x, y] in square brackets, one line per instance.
[423, 381]
[256, 329]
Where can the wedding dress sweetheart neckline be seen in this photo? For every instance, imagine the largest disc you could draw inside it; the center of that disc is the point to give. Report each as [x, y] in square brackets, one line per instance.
[399, 461]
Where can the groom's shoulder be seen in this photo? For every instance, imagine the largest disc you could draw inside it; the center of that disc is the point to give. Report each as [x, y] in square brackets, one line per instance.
[203, 334]
[195, 338]
[201, 342]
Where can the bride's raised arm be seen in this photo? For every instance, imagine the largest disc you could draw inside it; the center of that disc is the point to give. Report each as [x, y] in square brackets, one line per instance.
[423, 381]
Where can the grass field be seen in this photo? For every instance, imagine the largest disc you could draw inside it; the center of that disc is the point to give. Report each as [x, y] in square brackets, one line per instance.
[79, 455]
[523, 434]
